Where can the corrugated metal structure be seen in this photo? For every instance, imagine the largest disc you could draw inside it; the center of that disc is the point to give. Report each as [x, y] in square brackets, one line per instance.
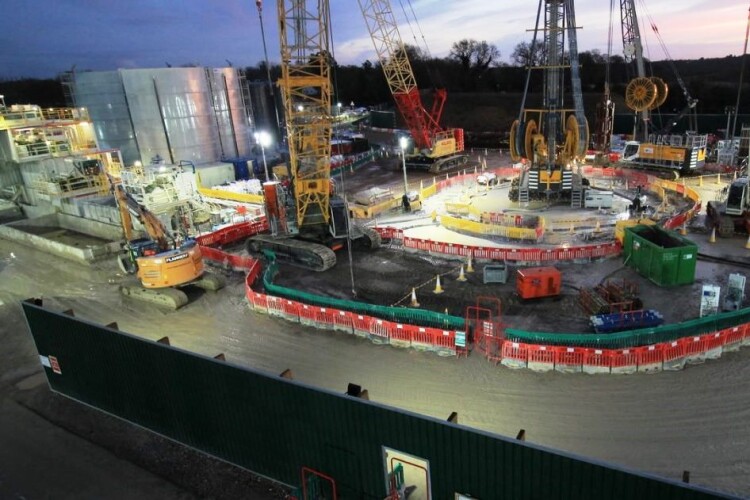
[275, 426]
[180, 114]
[663, 256]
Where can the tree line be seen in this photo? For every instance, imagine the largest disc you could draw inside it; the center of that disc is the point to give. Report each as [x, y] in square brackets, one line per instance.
[475, 67]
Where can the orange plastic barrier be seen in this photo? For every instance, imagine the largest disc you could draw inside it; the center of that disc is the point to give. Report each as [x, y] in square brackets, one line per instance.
[714, 344]
[674, 355]
[597, 361]
[569, 359]
[650, 358]
[733, 337]
[258, 300]
[541, 358]
[361, 325]
[342, 321]
[400, 335]
[444, 340]
[381, 330]
[233, 233]
[515, 354]
[695, 349]
[623, 361]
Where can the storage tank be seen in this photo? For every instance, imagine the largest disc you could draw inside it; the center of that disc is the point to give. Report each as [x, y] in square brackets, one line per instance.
[179, 114]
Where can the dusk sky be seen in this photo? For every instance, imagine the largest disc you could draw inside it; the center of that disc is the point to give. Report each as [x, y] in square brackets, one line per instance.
[45, 37]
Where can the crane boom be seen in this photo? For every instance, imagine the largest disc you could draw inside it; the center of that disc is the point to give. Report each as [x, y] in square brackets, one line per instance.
[391, 51]
[306, 90]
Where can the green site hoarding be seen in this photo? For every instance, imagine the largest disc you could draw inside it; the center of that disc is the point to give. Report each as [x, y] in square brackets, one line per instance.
[275, 426]
[663, 256]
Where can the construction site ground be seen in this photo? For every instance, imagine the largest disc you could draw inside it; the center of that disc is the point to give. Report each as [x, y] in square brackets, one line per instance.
[665, 423]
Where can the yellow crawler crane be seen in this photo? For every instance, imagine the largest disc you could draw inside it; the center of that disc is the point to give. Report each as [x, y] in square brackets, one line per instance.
[307, 220]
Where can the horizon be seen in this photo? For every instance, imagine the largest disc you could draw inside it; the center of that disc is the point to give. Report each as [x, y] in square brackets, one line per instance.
[101, 36]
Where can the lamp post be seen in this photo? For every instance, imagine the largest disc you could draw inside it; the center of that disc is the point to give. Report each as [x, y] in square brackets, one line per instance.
[264, 139]
[404, 142]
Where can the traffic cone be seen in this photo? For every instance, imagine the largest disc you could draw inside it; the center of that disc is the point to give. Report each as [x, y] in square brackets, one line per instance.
[469, 267]
[414, 302]
[683, 229]
[700, 181]
[747, 243]
[572, 229]
[598, 227]
[712, 239]
[438, 289]
[461, 276]
[446, 311]
[718, 178]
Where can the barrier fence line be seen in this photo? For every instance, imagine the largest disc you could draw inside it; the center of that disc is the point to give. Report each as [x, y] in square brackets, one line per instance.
[669, 355]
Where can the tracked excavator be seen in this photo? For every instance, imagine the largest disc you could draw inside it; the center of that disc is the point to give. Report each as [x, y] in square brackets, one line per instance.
[161, 263]
[308, 221]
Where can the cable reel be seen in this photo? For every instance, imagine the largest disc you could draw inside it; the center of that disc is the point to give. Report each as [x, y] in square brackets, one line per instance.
[515, 141]
[640, 94]
[662, 90]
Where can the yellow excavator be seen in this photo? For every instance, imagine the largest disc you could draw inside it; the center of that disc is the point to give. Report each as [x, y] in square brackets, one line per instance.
[160, 262]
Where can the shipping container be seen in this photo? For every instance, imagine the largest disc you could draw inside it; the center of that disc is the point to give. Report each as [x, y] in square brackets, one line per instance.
[663, 256]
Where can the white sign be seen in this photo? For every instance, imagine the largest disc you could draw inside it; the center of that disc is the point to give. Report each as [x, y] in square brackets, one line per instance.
[710, 299]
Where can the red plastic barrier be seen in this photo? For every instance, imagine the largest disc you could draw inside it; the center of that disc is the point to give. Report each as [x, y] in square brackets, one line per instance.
[597, 361]
[674, 354]
[714, 343]
[400, 335]
[650, 358]
[314, 316]
[342, 320]
[233, 233]
[361, 324]
[381, 330]
[569, 359]
[623, 361]
[541, 358]
[443, 339]
[259, 301]
[733, 337]
[423, 337]
[695, 349]
[515, 354]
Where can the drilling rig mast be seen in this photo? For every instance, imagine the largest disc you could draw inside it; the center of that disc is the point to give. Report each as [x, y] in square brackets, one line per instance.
[551, 138]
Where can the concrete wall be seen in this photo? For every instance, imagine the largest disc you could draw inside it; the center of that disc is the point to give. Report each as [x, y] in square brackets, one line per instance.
[82, 255]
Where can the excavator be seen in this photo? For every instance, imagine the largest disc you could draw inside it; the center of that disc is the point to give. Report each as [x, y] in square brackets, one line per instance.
[551, 139]
[160, 262]
[308, 221]
[436, 148]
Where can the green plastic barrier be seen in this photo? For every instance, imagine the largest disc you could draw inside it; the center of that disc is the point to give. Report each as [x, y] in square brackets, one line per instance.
[406, 315]
[634, 338]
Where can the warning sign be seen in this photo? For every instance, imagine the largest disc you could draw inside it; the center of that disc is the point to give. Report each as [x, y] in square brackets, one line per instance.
[55, 365]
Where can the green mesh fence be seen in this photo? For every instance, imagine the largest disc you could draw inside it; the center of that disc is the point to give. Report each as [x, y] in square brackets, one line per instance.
[634, 338]
[397, 314]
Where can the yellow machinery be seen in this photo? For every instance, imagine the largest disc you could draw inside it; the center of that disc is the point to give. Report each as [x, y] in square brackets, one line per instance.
[160, 262]
[659, 149]
[307, 220]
